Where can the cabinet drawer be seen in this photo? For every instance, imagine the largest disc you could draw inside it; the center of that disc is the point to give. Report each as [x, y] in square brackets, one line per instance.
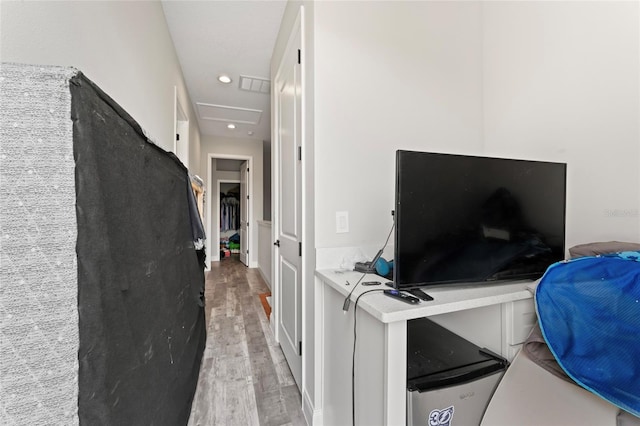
[521, 315]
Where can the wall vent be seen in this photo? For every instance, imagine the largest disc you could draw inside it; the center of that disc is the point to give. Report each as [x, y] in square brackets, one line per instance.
[255, 84]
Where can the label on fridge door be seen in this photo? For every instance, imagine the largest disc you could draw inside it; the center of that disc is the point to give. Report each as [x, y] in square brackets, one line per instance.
[442, 417]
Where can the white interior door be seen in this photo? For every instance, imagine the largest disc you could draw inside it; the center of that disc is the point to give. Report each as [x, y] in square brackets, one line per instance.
[181, 131]
[288, 218]
[244, 214]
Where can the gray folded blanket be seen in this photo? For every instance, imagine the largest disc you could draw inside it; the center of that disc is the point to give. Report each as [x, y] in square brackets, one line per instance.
[537, 350]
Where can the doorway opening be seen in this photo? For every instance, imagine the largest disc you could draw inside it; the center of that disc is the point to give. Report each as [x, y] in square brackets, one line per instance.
[229, 212]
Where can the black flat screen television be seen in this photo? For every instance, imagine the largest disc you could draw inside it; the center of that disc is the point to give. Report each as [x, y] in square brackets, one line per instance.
[469, 219]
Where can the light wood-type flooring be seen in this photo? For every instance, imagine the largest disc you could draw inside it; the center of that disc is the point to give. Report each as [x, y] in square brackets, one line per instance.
[244, 378]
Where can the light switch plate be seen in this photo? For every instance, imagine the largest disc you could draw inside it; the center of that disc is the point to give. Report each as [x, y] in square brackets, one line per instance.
[342, 222]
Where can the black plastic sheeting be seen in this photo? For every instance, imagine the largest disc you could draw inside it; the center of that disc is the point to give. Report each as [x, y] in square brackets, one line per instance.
[140, 283]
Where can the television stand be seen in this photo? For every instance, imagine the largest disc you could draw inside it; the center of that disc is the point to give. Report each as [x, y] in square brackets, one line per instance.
[495, 316]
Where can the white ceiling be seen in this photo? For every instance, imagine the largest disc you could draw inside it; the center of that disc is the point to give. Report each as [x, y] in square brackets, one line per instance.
[226, 37]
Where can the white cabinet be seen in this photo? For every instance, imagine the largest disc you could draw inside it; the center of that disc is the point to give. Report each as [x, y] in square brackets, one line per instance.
[481, 326]
[496, 316]
[501, 328]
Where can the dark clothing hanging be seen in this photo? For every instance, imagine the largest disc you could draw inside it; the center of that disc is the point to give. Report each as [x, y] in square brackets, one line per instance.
[229, 213]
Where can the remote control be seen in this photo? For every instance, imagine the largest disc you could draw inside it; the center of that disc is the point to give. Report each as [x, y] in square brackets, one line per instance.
[420, 294]
[401, 296]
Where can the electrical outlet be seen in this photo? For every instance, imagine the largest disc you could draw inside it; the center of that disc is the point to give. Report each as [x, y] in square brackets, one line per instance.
[342, 222]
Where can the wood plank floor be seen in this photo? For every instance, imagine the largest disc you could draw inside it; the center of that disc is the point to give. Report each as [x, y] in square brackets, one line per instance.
[244, 378]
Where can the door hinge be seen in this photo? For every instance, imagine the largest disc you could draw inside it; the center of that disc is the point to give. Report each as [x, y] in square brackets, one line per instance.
[299, 56]
[247, 170]
[300, 348]
[177, 136]
[299, 153]
[247, 197]
[300, 248]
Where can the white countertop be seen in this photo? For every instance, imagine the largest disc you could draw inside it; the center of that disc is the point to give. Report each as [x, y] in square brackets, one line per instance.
[446, 298]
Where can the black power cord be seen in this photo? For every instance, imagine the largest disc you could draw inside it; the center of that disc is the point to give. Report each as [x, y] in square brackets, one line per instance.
[345, 308]
[347, 300]
[353, 356]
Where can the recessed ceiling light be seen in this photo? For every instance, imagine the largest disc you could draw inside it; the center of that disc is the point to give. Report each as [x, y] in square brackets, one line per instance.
[223, 78]
[231, 126]
[250, 133]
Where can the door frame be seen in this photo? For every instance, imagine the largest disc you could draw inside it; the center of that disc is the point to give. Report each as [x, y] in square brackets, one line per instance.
[215, 257]
[244, 235]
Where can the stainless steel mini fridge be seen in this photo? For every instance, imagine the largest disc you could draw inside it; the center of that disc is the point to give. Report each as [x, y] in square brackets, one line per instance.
[449, 379]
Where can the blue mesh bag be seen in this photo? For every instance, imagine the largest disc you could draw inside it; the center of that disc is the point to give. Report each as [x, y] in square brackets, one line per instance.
[589, 314]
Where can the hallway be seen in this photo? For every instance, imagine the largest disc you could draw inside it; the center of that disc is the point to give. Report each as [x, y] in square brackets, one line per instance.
[244, 378]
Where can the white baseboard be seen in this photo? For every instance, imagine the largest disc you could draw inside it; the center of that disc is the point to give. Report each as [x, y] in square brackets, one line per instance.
[312, 416]
[265, 278]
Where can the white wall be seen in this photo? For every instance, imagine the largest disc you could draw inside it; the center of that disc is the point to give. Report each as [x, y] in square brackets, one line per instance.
[374, 86]
[561, 83]
[538, 80]
[230, 147]
[124, 47]
[388, 76]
